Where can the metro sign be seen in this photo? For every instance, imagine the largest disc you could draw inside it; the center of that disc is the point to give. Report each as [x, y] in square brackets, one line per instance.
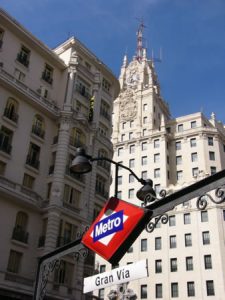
[115, 229]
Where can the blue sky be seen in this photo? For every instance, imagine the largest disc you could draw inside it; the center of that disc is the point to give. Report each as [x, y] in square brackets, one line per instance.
[190, 32]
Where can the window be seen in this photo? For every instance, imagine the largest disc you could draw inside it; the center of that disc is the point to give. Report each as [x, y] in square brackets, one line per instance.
[173, 264]
[67, 233]
[123, 137]
[131, 163]
[144, 174]
[158, 243]
[72, 196]
[144, 160]
[130, 250]
[144, 245]
[156, 173]
[193, 142]
[195, 172]
[19, 75]
[224, 214]
[63, 275]
[120, 151]
[28, 181]
[157, 188]
[210, 141]
[194, 157]
[208, 261]
[38, 126]
[106, 85]
[187, 218]
[179, 175]
[178, 160]
[191, 289]
[119, 194]
[174, 290]
[145, 107]
[158, 266]
[172, 221]
[102, 268]
[193, 124]
[156, 143]
[132, 149]
[20, 230]
[131, 178]
[144, 132]
[213, 170]
[77, 138]
[204, 216]
[131, 135]
[105, 110]
[158, 290]
[1, 37]
[119, 180]
[173, 241]
[210, 288]
[178, 145]
[101, 293]
[205, 238]
[3, 167]
[6, 140]
[11, 109]
[131, 124]
[23, 56]
[145, 119]
[144, 146]
[188, 240]
[211, 155]
[123, 125]
[180, 128]
[144, 294]
[156, 158]
[189, 263]
[131, 193]
[14, 261]
[33, 156]
[47, 74]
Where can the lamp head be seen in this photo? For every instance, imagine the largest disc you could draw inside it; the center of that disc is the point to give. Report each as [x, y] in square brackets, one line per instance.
[147, 190]
[81, 163]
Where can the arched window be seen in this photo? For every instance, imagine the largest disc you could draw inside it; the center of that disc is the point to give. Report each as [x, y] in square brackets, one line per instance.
[11, 110]
[19, 232]
[38, 127]
[77, 138]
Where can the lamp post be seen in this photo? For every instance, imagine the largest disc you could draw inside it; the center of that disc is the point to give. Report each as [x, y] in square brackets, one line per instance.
[82, 164]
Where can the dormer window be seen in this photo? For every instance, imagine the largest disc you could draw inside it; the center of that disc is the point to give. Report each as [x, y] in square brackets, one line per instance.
[47, 74]
[24, 56]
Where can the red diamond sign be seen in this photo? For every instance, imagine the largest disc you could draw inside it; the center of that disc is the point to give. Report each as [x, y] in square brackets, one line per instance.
[115, 229]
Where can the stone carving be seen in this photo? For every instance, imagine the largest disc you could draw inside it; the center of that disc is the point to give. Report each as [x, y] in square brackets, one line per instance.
[128, 105]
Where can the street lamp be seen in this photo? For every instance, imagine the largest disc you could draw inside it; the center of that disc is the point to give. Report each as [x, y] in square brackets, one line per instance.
[82, 164]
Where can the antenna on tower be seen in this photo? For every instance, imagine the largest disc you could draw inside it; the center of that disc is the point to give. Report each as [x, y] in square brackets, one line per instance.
[157, 59]
[141, 27]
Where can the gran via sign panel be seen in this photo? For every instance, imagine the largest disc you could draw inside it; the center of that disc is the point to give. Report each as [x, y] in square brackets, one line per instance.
[115, 229]
[117, 276]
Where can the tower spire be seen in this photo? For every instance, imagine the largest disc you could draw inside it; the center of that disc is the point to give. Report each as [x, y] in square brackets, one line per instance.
[140, 41]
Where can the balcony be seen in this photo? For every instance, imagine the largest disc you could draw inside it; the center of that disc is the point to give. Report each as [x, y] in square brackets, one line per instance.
[23, 59]
[11, 115]
[41, 241]
[76, 176]
[31, 161]
[20, 235]
[62, 240]
[38, 131]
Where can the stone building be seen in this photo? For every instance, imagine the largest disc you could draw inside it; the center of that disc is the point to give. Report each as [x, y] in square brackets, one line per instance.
[186, 256]
[52, 101]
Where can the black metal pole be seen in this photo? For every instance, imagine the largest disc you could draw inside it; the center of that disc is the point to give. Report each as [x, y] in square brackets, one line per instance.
[116, 180]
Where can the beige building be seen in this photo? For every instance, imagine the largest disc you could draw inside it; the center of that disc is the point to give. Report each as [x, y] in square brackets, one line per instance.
[51, 103]
[186, 256]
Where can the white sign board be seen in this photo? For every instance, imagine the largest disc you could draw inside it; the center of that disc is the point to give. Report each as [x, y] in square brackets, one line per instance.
[117, 276]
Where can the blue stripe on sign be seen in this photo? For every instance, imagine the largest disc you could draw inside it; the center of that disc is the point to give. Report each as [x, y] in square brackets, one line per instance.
[109, 225]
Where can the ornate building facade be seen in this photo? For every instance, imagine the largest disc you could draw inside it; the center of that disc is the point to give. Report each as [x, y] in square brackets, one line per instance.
[185, 256]
[51, 103]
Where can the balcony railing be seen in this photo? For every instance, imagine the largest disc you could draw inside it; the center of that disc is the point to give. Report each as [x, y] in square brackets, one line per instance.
[20, 235]
[32, 162]
[104, 164]
[62, 240]
[10, 115]
[23, 59]
[5, 146]
[41, 241]
[38, 131]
